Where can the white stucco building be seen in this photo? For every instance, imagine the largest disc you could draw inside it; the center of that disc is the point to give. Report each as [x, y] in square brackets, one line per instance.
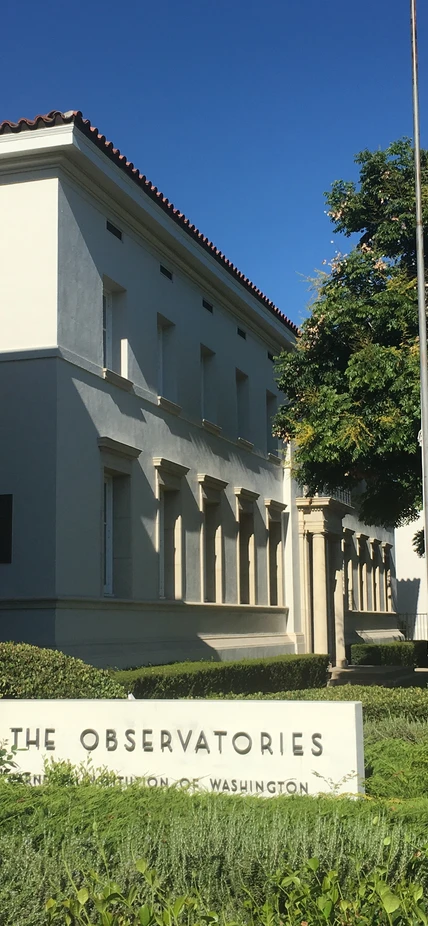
[146, 513]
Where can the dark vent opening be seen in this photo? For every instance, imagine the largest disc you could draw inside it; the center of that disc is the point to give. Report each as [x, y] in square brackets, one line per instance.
[242, 334]
[6, 528]
[270, 356]
[167, 273]
[114, 231]
[207, 306]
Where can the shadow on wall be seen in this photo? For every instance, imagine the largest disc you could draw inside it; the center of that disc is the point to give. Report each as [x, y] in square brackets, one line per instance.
[408, 595]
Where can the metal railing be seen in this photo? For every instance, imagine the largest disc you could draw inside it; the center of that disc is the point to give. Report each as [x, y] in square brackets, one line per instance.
[413, 626]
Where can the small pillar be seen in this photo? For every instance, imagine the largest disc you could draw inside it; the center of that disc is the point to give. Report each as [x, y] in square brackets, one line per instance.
[320, 593]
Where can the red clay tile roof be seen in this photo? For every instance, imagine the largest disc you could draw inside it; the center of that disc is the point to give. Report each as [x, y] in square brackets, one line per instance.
[58, 118]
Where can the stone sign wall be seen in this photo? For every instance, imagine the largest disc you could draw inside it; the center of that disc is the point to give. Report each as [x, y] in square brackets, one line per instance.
[241, 747]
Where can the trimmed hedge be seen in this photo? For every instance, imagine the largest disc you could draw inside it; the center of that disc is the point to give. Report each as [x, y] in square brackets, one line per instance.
[30, 672]
[400, 653]
[201, 679]
[378, 702]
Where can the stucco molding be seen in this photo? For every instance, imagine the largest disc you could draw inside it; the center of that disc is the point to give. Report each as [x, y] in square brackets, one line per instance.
[114, 446]
[168, 405]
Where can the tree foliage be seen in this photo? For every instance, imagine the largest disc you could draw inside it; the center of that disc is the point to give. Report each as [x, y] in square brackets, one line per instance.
[352, 404]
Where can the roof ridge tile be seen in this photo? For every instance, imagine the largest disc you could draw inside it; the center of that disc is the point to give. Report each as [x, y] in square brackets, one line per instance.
[56, 117]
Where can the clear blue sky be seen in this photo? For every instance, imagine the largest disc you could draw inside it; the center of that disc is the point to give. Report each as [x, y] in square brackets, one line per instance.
[241, 112]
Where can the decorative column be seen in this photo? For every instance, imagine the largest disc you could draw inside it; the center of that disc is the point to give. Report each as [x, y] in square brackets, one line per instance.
[305, 584]
[320, 593]
[349, 569]
[363, 596]
[374, 543]
[338, 548]
[386, 548]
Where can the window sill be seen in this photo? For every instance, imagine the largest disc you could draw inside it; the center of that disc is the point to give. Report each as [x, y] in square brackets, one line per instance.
[247, 444]
[117, 380]
[210, 426]
[168, 405]
[274, 458]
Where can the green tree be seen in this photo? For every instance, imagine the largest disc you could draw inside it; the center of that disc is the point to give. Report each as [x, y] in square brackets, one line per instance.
[352, 403]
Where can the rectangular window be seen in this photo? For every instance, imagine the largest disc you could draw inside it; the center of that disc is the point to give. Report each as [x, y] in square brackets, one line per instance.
[165, 272]
[246, 550]
[115, 344]
[212, 542]
[170, 545]
[114, 230]
[6, 528]
[241, 333]
[271, 356]
[108, 534]
[275, 561]
[207, 305]
[107, 331]
[242, 403]
[117, 578]
[208, 385]
[167, 383]
[271, 441]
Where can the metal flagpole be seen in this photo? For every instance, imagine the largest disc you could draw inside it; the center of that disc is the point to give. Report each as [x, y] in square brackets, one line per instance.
[420, 267]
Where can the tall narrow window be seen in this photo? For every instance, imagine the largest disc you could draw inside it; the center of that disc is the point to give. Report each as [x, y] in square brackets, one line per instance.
[212, 553]
[108, 534]
[271, 441]
[246, 557]
[170, 545]
[170, 540]
[107, 331]
[274, 510]
[167, 383]
[115, 340]
[208, 385]
[242, 403]
[6, 528]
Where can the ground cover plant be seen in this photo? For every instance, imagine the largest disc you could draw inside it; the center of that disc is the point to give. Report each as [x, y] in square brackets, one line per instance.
[234, 859]
[200, 679]
[31, 672]
[220, 847]
[290, 894]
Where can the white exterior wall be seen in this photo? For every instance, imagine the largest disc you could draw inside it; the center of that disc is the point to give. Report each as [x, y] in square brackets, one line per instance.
[28, 261]
[59, 257]
[28, 472]
[60, 600]
[412, 599]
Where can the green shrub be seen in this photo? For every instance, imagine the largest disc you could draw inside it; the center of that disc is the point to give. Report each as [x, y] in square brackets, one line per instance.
[219, 846]
[399, 653]
[397, 769]
[29, 672]
[378, 702]
[201, 679]
[310, 891]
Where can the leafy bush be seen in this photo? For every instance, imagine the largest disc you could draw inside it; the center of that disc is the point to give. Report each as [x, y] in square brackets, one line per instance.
[399, 653]
[396, 769]
[218, 846]
[201, 679]
[290, 894]
[378, 702]
[29, 672]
